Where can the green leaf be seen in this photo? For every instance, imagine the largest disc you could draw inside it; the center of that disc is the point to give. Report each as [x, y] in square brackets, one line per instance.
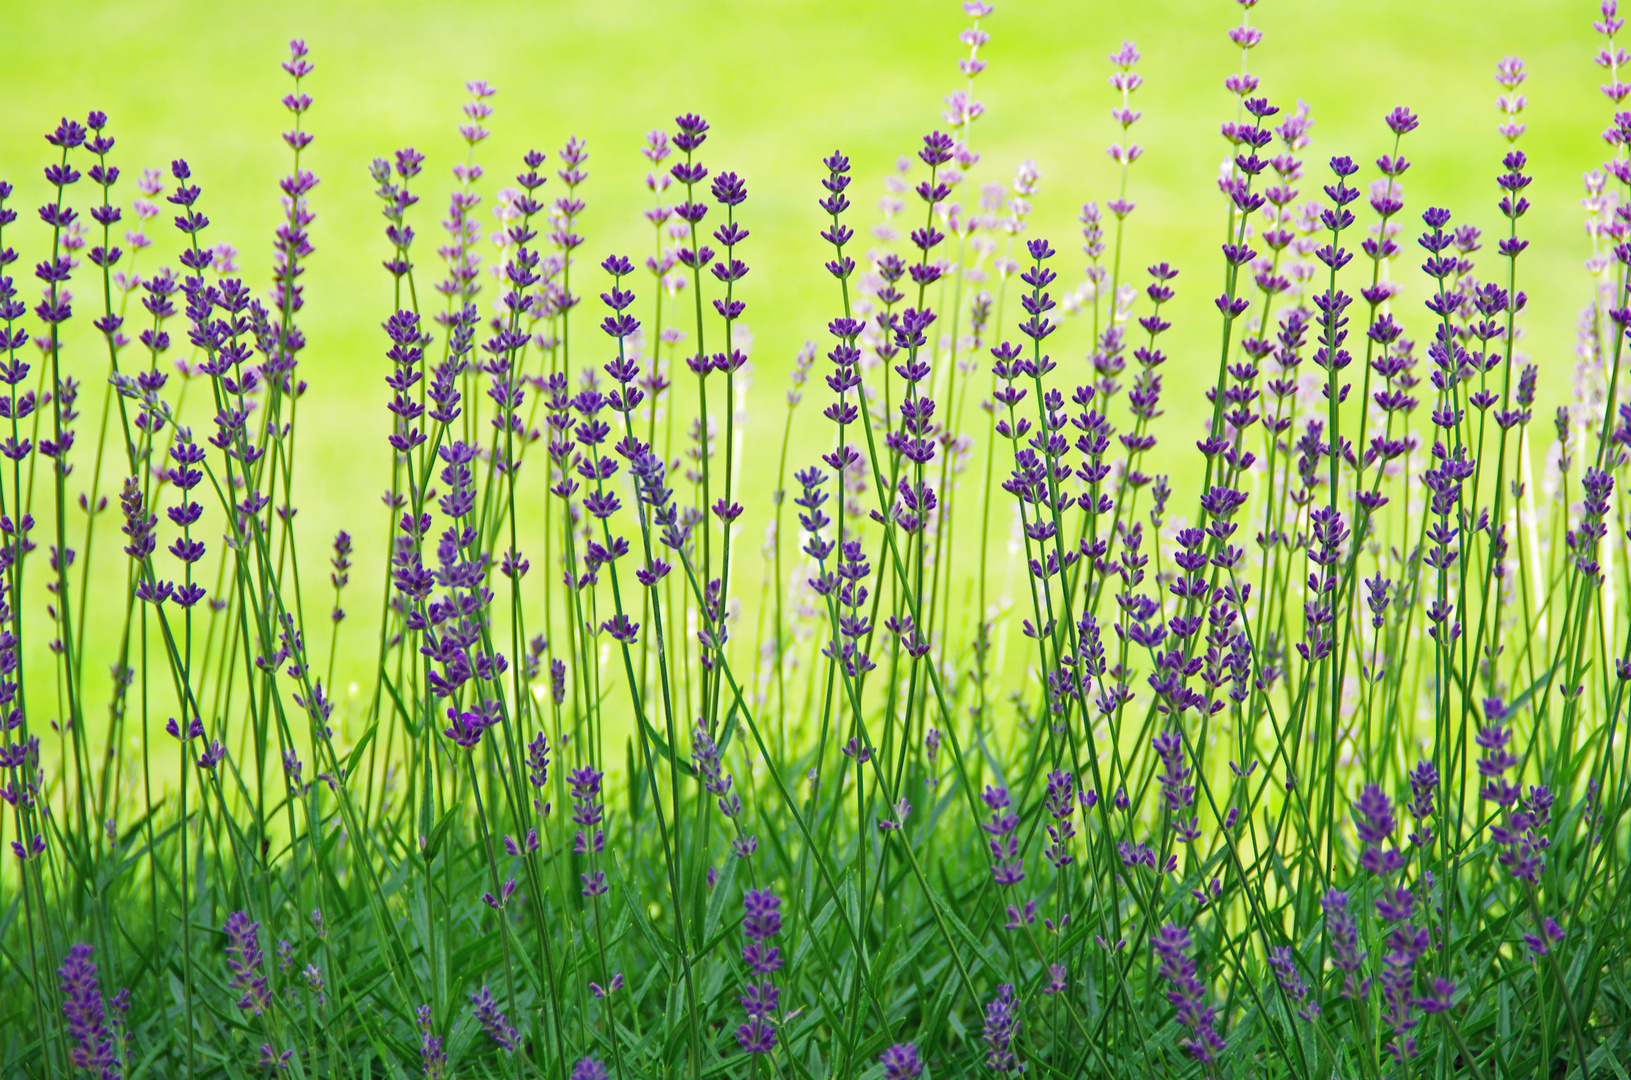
[356, 751]
[433, 843]
[728, 729]
[1536, 687]
[401, 709]
[637, 782]
[723, 888]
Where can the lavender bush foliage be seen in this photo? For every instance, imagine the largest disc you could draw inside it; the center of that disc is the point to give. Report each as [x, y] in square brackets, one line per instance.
[1324, 774]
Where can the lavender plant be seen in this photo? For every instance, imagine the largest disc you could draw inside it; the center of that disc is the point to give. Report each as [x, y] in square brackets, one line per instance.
[1303, 758]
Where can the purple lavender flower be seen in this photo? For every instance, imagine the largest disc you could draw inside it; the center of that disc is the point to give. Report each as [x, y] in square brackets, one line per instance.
[587, 811]
[761, 922]
[1550, 934]
[1327, 533]
[1006, 867]
[1438, 999]
[1406, 944]
[1375, 823]
[1061, 804]
[493, 1021]
[1177, 795]
[94, 1048]
[588, 814]
[1187, 993]
[705, 755]
[1493, 738]
[466, 728]
[506, 890]
[1343, 931]
[342, 571]
[1524, 838]
[138, 527]
[835, 202]
[557, 681]
[214, 753]
[432, 1057]
[538, 770]
[292, 241]
[1423, 785]
[1020, 917]
[589, 1068]
[901, 1062]
[931, 754]
[568, 207]
[272, 1061]
[1001, 1025]
[407, 354]
[1291, 982]
[244, 961]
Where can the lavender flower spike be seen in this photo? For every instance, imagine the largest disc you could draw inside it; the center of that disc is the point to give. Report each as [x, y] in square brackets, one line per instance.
[901, 1062]
[1187, 993]
[590, 1068]
[432, 1056]
[244, 961]
[83, 1010]
[761, 922]
[493, 1021]
[1001, 1024]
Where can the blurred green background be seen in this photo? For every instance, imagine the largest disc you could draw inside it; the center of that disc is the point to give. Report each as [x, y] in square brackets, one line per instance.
[782, 82]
